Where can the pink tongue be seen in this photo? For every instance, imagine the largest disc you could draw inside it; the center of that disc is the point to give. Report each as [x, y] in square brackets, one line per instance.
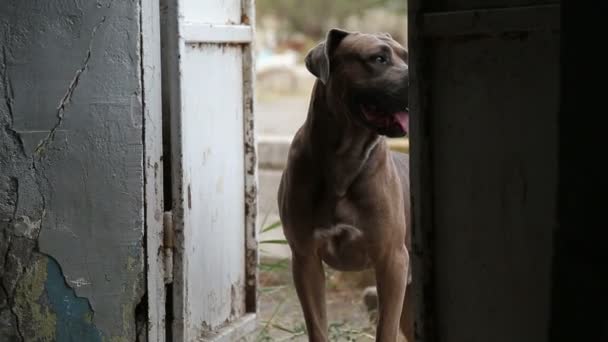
[402, 120]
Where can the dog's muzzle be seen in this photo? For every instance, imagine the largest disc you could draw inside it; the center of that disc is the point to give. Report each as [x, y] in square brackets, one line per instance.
[392, 123]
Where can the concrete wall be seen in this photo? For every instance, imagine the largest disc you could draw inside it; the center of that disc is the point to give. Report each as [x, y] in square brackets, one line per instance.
[71, 196]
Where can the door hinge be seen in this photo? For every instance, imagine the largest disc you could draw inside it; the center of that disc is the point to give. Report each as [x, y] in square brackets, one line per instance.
[168, 246]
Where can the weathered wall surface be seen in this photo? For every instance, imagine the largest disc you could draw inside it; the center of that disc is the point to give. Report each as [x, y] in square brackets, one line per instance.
[71, 198]
[485, 176]
[495, 153]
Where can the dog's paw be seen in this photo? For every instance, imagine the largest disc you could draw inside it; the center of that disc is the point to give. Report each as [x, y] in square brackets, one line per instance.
[370, 301]
[370, 298]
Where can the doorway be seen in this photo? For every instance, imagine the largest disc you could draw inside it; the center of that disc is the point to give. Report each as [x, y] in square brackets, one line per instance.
[285, 31]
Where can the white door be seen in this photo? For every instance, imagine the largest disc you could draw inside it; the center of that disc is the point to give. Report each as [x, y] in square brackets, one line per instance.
[208, 62]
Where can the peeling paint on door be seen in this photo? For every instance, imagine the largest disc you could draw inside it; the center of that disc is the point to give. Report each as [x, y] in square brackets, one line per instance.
[74, 316]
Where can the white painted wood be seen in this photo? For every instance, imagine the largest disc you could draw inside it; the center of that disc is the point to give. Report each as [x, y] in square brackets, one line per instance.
[209, 63]
[211, 11]
[153, 167]
[213, 157]
[214, 33]
[242, 327]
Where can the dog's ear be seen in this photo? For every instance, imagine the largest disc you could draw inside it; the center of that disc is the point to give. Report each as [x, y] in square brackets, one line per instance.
[318, 59]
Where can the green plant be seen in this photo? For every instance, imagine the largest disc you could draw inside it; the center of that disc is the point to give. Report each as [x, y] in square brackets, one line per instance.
[274, 265]
[281, 264]
[263, 334]
[340, 331]
[272, 226]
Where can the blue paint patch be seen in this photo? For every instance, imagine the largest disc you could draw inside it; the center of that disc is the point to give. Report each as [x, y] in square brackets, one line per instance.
[74, 314]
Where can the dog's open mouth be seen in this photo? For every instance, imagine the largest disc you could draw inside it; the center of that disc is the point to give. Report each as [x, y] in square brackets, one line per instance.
[389, 122]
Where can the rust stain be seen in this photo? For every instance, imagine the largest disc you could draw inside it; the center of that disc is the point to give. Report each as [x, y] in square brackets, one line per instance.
[250, 200]
[189, 197]
[215, 45]
[251, 293]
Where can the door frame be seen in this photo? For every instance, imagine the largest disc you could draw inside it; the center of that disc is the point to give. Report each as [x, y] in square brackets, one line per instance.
[153, 169]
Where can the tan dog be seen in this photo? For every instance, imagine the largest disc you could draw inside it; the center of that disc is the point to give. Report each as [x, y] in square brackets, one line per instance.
[344, 196]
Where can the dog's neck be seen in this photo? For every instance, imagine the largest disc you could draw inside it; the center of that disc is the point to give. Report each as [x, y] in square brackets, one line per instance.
[338, 137]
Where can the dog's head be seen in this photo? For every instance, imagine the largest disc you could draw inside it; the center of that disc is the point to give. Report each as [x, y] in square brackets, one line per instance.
[366, 77]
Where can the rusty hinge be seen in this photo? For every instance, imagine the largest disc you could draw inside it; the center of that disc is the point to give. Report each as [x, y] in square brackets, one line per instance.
[168, 246]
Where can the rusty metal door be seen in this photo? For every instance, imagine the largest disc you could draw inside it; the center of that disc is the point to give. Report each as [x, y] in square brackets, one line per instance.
[208, 74]
[484, 101]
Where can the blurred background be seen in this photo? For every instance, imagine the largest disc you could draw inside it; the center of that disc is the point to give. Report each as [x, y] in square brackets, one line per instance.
[285, 31]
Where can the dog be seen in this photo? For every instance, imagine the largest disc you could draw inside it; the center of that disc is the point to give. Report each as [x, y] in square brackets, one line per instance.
[343, 197]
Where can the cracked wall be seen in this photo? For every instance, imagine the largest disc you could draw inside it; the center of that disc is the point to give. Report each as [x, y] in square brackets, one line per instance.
[71, 176]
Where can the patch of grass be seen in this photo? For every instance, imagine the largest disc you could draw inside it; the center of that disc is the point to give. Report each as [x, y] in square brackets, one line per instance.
[272, 226]
[274, 265]
[340, 331]
[263, 334]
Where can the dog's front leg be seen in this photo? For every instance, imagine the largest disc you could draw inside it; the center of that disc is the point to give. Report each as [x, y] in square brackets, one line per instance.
[309, 279]
[407, 315]
[391, 280]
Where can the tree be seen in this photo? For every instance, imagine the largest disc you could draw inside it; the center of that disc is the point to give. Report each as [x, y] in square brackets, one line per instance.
[314, 17]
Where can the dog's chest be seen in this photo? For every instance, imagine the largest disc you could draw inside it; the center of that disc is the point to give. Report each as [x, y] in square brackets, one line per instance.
[344, 221]
[361, 204]
[346, 212]
[343, 240]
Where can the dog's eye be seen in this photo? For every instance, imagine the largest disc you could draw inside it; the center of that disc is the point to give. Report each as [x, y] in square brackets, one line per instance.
[380, 59]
